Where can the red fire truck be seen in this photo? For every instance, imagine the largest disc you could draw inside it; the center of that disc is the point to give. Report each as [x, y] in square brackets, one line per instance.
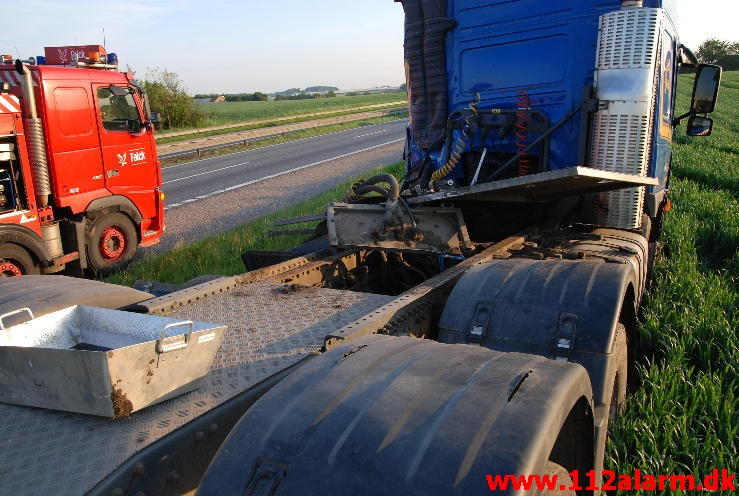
[80, 182]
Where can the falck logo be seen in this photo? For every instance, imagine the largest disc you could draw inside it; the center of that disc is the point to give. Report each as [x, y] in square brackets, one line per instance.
[62, 55]
[122, 159]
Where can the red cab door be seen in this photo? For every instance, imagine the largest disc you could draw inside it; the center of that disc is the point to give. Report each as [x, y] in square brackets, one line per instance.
[129, 161]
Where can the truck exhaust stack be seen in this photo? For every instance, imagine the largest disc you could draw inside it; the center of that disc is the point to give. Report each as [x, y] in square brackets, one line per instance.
[35, 132]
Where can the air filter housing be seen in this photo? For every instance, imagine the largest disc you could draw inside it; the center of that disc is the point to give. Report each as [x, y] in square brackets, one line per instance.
[626, 77]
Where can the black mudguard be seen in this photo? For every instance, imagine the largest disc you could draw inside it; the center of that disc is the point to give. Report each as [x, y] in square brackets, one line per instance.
[560, 309]
[389, 415]
[566, 310]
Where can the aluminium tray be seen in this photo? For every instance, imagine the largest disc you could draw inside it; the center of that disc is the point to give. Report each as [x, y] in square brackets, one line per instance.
[102, 362]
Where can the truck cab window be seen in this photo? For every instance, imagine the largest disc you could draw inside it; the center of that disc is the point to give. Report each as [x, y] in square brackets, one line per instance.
[118, 113]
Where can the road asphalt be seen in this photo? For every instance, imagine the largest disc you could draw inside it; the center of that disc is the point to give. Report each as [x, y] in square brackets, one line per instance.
[209, 196]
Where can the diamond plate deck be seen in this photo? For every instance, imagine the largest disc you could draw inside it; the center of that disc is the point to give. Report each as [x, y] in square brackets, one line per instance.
[270, 327]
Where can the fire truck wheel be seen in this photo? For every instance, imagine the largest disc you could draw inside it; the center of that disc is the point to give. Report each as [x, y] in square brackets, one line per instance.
[16, 261]
[111, 243]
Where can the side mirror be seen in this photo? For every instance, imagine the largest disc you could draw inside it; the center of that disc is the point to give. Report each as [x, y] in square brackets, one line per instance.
[700, 126]
[705, 91]
[155, 118]
[118, 91]
[134, 126]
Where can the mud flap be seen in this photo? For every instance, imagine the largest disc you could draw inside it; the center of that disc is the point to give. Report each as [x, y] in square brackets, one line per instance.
[391, 415]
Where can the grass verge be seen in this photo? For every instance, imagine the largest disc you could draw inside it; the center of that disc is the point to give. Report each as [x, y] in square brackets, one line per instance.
[261, 143]
[228, 112]
[261, 125]
[221, 254]
[685, 417]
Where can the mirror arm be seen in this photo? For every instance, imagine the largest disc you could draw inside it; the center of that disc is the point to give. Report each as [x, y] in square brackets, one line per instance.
[692, 60]
[677, 120]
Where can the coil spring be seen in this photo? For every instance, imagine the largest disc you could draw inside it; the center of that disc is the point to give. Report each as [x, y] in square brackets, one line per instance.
[460, 145]
[523, 104]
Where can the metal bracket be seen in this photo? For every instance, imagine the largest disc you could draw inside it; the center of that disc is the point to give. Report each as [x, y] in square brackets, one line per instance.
[480, 323]
[566, 328]
[267, 477]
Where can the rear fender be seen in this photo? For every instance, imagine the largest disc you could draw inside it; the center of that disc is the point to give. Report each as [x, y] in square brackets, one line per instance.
[114, 203]
[399, 415]
[560, 309]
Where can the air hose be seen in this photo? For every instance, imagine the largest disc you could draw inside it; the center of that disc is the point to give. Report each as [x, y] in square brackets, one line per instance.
[460, 146]
[360, 188]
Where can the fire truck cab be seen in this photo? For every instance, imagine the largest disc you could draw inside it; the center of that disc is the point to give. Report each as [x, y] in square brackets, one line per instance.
[79, 174]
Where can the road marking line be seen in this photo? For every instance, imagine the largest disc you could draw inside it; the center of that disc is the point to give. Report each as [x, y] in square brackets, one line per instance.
[204, 173]
[278, 174]
[280, 144]
[370, 134]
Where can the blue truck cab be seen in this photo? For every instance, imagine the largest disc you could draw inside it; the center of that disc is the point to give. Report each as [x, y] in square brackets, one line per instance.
[590, 83]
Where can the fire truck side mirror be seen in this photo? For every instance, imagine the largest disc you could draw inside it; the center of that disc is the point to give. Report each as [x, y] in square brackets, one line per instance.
[134, 126]
[705, 91]
[155, 118]
[118, 91]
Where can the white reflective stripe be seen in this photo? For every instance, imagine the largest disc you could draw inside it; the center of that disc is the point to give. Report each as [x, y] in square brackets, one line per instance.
[8, 105]
[13, 78]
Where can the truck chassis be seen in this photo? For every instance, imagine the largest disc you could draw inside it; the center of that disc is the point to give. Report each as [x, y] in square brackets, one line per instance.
[279, 317]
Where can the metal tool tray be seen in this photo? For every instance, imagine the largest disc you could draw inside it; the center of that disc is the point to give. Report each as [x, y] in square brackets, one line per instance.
[102, 362]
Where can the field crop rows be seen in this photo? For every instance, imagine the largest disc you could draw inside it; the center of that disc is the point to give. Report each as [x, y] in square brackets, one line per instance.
[685, 416]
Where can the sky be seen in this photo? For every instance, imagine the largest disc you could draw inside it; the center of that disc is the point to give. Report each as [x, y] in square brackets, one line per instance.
[262, 45]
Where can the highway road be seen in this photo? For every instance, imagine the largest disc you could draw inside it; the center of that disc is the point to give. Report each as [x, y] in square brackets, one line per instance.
[210, 196]
[193, 181]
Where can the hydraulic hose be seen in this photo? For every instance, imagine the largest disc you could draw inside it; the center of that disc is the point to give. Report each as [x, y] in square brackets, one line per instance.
[361, 188]
[460, 145]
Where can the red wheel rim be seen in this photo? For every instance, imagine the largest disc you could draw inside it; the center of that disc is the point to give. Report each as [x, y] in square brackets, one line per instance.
[112, 243]
[9, 269]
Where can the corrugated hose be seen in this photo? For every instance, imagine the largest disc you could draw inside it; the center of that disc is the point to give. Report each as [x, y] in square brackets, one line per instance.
[460, 145]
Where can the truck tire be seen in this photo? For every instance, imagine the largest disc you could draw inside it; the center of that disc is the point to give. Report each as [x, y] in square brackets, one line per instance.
[111, 243]
[563, 480]
[620, 378]
[16, 261]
